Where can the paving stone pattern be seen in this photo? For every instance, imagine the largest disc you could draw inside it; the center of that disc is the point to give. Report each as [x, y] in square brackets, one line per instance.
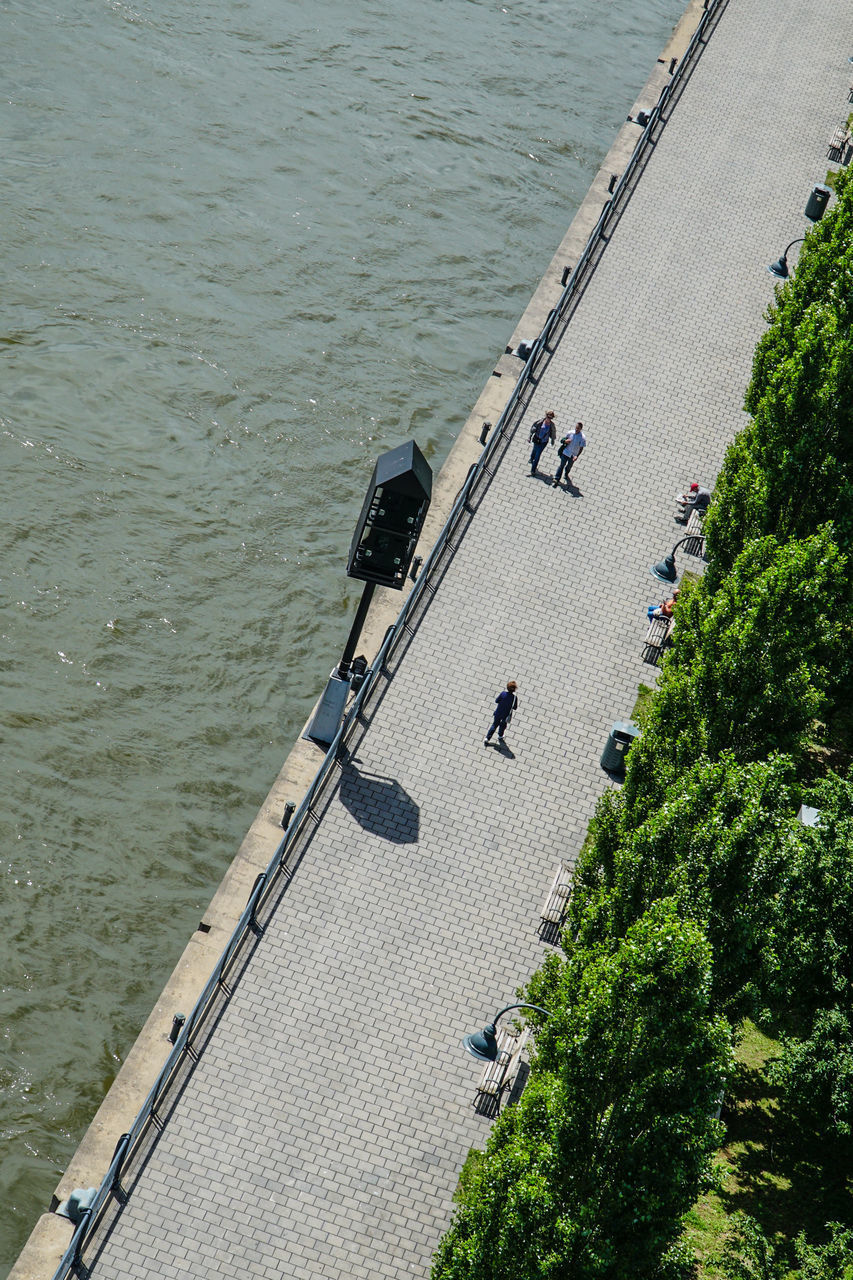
[323, 1130]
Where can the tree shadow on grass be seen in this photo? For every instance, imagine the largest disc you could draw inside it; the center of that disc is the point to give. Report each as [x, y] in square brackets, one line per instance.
[787, 1181]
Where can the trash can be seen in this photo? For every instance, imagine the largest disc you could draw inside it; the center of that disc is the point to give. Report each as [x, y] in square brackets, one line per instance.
[616, 748]
[817, 202]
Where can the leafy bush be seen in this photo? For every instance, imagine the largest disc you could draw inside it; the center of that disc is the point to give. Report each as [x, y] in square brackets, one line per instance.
[791, 471]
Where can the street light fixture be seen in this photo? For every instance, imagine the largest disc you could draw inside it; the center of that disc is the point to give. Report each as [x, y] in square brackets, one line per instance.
[483, 1045]
[779, 268]
[665, 570]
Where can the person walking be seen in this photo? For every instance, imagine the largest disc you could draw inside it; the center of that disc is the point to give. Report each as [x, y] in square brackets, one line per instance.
[541, 433]
[505, 703]
[571, 448]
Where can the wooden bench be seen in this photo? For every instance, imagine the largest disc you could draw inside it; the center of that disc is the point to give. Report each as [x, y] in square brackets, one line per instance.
[500, 1075]
[660, 629]
[695, 545]
[556, 904]
[838, 143]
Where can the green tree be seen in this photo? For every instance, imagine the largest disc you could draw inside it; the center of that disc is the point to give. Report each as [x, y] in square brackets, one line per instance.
[816, 906]
[587, 1177]
[747, 1254]
[817, 279]
[791, 470]
[720, 844]
[755, 663]
[814, 1076]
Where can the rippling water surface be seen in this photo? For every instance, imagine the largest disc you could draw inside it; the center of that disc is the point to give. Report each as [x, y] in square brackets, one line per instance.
[247, 247]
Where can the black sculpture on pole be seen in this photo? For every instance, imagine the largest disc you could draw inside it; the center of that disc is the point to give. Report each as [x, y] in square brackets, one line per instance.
[392, 516]
[386, 534]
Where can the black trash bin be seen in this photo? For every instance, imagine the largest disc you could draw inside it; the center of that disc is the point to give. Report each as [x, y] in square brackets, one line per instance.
[616, 748]
[817, 202]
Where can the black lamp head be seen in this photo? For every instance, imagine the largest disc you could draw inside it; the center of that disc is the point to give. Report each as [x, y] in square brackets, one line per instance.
[779, 268]
[664, 570]
[483, 1044]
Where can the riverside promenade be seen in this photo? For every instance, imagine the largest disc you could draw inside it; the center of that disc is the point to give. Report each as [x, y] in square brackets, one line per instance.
[322, 1130]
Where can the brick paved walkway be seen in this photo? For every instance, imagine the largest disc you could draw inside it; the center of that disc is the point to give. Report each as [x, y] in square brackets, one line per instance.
[307, 1143]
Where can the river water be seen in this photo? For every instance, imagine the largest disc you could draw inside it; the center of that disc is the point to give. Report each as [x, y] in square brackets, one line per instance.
[248, 246]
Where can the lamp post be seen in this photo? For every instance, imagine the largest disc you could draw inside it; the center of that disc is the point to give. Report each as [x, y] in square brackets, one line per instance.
[665, 570]
[483, 1045]
[779, 268]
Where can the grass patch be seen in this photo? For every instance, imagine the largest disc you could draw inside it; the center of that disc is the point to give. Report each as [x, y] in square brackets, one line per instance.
[467, 1172]
[785, 1186]
[645, 694]
[748, 1114]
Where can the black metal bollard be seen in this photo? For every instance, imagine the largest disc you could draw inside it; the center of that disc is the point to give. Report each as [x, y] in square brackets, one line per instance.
[177, 1022]
[289, 810]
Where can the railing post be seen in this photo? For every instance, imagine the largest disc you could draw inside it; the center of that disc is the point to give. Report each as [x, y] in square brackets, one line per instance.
[260, 881]
[78, 1266]
[116, 1189]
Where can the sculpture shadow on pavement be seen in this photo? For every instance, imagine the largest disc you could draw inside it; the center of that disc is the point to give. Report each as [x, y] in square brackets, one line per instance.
[379, 804]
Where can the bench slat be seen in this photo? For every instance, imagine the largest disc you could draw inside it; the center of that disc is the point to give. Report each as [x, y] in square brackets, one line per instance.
[839, 140]
[557, 897]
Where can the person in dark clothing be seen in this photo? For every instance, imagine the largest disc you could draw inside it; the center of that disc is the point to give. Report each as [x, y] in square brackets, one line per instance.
[505, 704]
[541, 433]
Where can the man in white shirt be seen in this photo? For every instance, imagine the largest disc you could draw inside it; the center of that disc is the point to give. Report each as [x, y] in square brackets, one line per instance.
[571, 448]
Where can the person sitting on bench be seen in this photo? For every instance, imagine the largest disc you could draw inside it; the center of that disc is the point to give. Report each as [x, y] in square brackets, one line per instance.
[697, 499]
[665, 609]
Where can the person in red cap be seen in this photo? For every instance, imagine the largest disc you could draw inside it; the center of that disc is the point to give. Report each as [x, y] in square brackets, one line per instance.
[697, 499]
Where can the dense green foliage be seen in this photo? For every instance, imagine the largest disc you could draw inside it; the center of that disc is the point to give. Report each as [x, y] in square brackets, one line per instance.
[753, 666]
[612, 1136]
[815, 974]
[791, 470]
[719, 844]
[816, 907]
[832, 1260]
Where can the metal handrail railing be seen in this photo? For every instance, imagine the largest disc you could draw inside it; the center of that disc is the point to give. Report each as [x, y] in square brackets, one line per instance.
[111, 1187]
